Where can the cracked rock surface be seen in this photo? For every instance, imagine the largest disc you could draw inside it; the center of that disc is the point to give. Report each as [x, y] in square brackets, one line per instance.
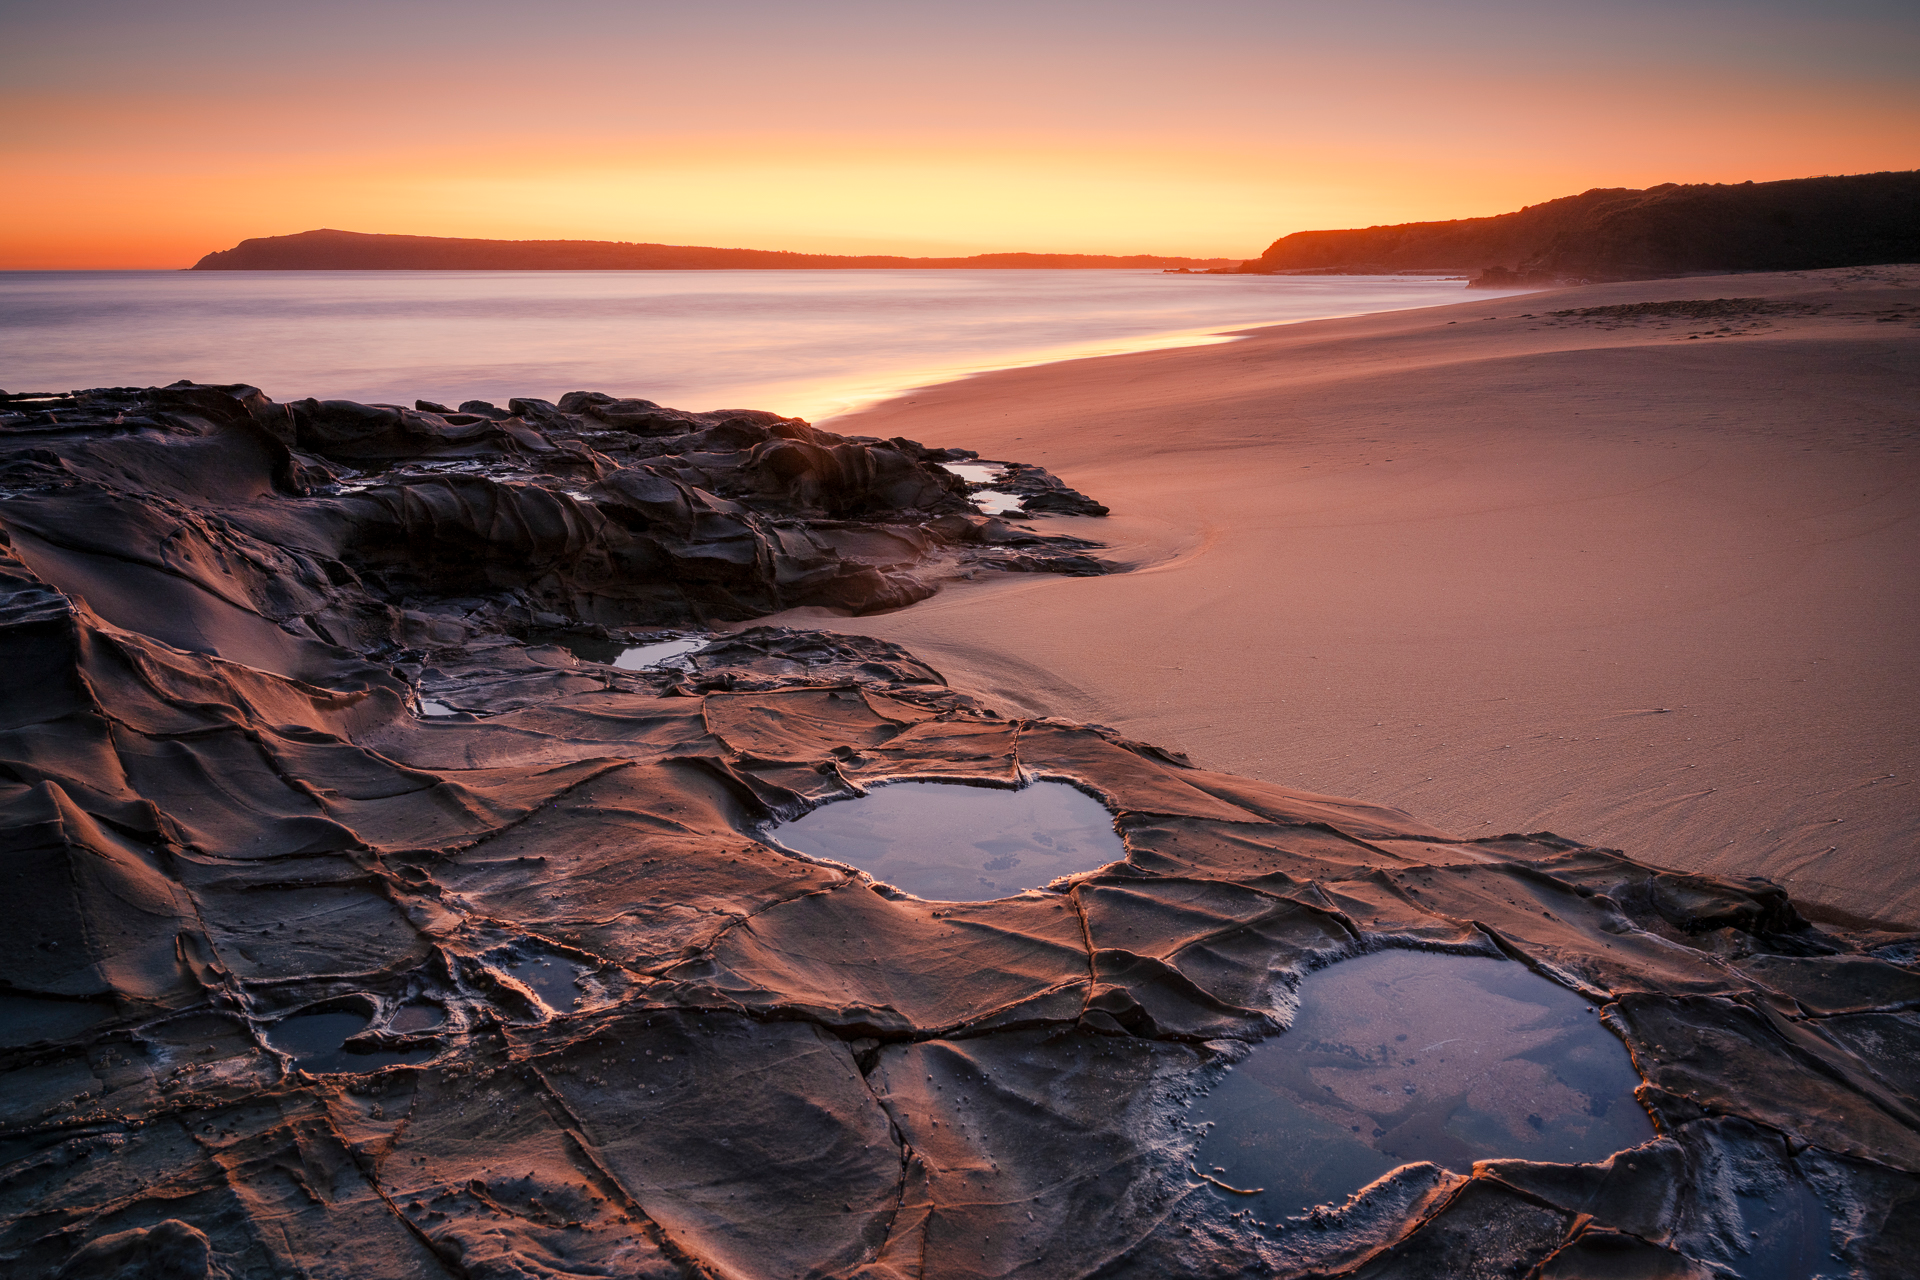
[301, 982]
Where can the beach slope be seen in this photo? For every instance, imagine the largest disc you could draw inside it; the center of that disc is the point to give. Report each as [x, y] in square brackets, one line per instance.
[1643, 574]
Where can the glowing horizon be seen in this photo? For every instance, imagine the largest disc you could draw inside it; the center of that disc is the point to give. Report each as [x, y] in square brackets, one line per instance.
[149, 138]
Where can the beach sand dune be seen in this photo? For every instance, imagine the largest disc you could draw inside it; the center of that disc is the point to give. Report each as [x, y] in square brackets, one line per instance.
[1505, 568]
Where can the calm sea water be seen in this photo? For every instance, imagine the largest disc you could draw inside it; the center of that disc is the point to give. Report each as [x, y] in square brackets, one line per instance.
[805, 343]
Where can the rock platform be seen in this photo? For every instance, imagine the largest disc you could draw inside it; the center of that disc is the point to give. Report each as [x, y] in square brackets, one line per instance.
[605, 1026]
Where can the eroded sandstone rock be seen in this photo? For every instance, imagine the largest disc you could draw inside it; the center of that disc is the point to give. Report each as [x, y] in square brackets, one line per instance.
[606, 1024]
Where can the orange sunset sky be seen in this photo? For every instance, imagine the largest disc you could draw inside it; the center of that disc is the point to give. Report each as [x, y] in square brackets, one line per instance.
[147, 134]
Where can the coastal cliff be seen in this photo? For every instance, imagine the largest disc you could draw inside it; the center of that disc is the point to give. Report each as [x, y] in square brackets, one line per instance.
[328, 250]
[1618, 233]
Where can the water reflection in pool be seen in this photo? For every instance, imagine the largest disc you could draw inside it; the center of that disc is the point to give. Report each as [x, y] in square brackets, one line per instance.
[1407, 1055]
[317, 1043]
[953, 843]
[556, 980]
[989, 501]
[625, 656]
[975, 472]
[664, 654]
[418, 1017]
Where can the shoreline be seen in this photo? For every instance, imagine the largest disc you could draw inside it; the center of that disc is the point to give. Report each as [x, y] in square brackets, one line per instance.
[813, 344]
[1586, 575]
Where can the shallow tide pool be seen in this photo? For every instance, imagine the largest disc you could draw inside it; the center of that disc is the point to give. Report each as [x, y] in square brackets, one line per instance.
[317, 1043]
[993, 502]
[1404, 1056]
[631, 657]
[953, 843]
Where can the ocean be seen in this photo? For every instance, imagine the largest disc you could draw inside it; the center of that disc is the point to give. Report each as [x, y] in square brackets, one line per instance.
[808, 344]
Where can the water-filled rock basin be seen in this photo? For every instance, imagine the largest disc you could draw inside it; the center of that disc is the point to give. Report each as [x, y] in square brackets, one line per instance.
[665, 653]
[990, 501]
[954, 843]
[554, 979]
[317, 1043]
[631, 657]
[1403, 1056]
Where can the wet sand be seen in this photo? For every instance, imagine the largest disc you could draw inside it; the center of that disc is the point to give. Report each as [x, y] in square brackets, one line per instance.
[1589, 575]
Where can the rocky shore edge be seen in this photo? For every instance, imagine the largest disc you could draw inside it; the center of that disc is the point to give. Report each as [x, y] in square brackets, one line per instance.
[598, 1024]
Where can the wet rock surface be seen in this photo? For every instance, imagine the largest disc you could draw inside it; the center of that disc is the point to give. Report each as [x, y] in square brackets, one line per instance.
[593, 512]
[301, 981]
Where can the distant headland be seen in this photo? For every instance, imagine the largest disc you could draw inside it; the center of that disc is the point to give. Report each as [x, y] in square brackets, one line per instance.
[328, 250]
[1621, 234]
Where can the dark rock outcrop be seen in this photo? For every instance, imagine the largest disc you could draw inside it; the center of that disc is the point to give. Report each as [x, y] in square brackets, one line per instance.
[610, 512]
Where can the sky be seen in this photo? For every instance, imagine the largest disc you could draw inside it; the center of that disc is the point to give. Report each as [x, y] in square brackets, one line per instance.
[145, 134]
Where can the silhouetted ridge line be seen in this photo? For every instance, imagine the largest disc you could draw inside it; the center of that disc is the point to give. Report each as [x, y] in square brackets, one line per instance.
[328, 250]
[1618, 234]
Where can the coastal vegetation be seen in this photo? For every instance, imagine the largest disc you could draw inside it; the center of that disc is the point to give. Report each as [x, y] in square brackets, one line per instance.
[329, 250]
[1622, 234]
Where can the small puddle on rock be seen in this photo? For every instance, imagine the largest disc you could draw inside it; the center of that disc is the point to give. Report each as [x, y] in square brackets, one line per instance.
[952, 843]
[556, 981]
[431, 707]
[992, 502]
[974, 472]
[418, 1017]
[1404, 1056]
[1788, 1234]
[629, 657]
[316, 1042]
[664, 654]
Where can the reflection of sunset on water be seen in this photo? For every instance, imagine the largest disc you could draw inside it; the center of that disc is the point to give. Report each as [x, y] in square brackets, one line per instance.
[810, 344]
[1404, 1056]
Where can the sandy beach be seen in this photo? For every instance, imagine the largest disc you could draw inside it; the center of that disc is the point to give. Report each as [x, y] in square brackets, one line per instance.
[1509, 571]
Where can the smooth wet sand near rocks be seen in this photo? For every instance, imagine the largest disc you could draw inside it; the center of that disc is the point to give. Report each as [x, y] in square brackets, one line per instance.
[1460, 564]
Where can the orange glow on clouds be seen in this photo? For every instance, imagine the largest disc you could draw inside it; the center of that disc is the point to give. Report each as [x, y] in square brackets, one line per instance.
[925, 137]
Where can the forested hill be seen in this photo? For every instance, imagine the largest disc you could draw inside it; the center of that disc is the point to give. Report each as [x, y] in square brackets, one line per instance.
[1619, 233]
[328, 250]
